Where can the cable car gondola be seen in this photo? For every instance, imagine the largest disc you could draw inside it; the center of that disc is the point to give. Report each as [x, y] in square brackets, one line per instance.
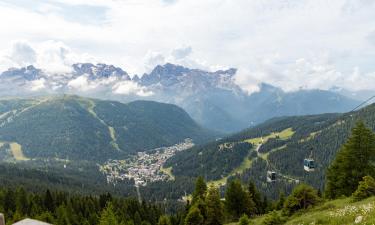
[309, 165]
[271, 176]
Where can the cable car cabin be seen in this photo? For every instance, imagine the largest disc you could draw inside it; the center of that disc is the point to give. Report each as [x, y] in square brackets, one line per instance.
[271, 176]
[309, 165]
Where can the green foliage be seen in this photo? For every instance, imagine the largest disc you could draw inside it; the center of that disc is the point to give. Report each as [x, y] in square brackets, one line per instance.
[108, 216]
[244, 220]
[273, 218]
[366, 188]
[209, 160]
[215, 213]
[324, 134]
[164, 220]
[281, 201]
[352, 163]
[70, 209]
[256, 197]
[79, 128]
[302, 197]
[238, 200]
[200, 189]
[194, 217]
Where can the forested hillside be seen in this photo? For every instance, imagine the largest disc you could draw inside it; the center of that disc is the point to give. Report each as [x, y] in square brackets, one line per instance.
[71, 127]
[282, 144]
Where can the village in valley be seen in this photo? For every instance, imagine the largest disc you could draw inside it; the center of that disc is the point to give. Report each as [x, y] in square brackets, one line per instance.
[145, 167]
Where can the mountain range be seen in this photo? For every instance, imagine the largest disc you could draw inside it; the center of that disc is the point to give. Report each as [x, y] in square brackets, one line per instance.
[76, 128]
[213, 99]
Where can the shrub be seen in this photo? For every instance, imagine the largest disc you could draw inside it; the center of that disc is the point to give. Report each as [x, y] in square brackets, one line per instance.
[244, 220]
[366, 188]
[273, 218]
[302, 197]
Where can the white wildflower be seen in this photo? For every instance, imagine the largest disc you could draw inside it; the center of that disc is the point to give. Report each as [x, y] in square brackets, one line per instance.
[358, 219]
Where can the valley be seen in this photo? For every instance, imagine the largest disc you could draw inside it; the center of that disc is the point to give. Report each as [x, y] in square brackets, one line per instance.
[187, 112]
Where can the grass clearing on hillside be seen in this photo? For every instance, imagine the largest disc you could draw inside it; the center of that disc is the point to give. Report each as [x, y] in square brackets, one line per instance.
[17, 151]
[337, 212]
[246, 163]
[168, 171]
[284, 134]
[111, 130]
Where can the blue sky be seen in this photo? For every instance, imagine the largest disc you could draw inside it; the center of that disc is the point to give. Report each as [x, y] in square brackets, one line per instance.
[289, 43]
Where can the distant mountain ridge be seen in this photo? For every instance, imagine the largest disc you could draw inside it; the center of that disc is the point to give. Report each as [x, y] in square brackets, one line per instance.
[88, 129]
[213, 99]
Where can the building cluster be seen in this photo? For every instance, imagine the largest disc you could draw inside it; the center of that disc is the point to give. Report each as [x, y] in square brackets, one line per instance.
[145, 167]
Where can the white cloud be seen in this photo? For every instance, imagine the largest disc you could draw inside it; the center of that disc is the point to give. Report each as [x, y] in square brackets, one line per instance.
[22, 53]
[38, 85]
[137, 34]
[129, 87]
[81, 83]
[181, 53]
[108, 86]
[52, 56]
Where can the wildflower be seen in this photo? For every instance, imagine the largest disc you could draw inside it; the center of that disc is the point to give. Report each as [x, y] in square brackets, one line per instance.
[358, 219]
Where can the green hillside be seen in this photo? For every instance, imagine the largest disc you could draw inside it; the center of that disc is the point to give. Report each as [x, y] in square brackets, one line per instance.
[341, 211]
[282, 145]
[71, 127]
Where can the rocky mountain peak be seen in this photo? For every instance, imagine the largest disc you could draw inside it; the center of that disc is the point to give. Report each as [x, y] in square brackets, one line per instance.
[28, 73]
[99, 70]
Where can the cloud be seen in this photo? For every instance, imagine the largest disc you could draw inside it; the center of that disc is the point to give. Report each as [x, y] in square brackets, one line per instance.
[181, 53]
[107, 86]
[152, 59]
[52, 56]
[38, 85]
[137, 34]
[129, 88]
[22, 53]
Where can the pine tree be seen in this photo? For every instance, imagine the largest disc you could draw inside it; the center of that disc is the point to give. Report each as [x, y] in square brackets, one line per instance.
[164, 220]
[281, 201]
[137, 218]
[215, 214]
[237, 200]
[49, 202]
[108, 216]
[200, 189]
[62, 217]
[352, 163]
[22, 203]
[194, 217]
[256, 197]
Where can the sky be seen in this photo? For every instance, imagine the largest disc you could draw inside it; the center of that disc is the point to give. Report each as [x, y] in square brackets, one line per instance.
[291, 44]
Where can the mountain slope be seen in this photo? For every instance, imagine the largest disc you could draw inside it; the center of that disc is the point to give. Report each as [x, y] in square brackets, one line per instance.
[71, 127]
[282, 145]
[213, 99]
